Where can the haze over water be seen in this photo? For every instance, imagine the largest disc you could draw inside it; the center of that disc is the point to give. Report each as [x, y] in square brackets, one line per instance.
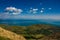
[29, 22]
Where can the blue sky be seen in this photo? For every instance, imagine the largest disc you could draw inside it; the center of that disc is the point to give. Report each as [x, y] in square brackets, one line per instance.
[30, 9]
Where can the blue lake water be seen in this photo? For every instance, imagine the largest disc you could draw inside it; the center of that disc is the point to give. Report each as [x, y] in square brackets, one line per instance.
[29, 22]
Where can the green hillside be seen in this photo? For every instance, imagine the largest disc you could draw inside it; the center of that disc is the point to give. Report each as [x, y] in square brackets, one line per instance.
[36, 32]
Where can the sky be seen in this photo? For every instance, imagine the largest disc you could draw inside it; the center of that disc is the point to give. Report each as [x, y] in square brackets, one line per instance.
[30, 9]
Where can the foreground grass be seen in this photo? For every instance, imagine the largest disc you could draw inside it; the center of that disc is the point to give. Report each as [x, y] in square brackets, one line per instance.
[3, 38]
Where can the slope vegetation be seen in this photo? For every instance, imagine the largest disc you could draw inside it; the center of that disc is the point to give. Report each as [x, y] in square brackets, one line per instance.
[36, 32]
[10, 35]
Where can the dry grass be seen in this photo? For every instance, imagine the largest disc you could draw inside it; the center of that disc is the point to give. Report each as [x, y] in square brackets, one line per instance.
[11, 35]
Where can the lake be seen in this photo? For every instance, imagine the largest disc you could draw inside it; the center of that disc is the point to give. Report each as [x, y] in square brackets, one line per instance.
[29, 22]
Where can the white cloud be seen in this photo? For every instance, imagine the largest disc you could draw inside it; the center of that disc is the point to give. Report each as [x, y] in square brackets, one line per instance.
[41, 11]
[13, 10]
[10, 8]
[33, 10]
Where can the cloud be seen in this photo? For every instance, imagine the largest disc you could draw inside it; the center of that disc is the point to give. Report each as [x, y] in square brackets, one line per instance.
[33, 10]
[10, 12]
[13, 10]
[41, 11]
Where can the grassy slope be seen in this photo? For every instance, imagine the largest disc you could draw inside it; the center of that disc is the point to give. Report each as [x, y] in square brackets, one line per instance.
[7, 34]
[42, 31]
[3, 38]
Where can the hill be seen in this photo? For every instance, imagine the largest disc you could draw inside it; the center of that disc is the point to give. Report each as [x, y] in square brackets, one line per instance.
[8, 35]
[36, 32]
